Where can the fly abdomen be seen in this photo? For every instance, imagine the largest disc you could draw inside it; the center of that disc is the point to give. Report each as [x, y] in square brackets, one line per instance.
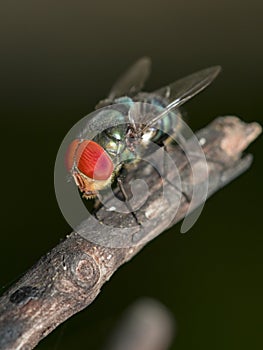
[166, 127]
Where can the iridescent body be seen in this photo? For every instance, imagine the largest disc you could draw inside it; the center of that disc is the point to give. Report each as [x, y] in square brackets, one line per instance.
[94, 164]
[114, 139]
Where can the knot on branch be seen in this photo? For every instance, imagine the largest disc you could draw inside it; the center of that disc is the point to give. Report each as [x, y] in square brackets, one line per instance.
[81, 271]
[85, 271]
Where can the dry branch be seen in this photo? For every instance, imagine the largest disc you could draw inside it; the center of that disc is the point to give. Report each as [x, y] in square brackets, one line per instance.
[70, 276]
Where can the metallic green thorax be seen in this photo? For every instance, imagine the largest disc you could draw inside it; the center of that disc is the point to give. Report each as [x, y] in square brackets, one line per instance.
[116, 140]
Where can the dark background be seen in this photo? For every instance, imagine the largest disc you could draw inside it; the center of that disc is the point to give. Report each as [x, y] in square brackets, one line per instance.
[57, 60]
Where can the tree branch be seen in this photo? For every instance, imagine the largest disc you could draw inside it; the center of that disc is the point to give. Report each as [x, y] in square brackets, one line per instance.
[69, 277]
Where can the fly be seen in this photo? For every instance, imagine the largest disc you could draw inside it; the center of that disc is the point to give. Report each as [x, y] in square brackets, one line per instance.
[95, 163]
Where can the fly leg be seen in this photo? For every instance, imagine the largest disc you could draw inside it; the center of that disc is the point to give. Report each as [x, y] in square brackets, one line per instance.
[122, 189]
[165, 168]
[125, 196]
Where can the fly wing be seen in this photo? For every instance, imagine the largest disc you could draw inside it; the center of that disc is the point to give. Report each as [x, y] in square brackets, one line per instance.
[190, 85]
[184, 89]
[132, 80]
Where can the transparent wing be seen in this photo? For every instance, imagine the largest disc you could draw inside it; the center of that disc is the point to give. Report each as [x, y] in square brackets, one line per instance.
[132, 80]
[184, 89]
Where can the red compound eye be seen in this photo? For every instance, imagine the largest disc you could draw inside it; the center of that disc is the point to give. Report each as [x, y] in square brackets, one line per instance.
[91, 159]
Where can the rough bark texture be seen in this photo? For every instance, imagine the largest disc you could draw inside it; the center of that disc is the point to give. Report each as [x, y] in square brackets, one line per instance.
[69, 277]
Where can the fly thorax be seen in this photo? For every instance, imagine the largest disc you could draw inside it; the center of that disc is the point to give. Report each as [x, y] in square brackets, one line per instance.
[111, 140]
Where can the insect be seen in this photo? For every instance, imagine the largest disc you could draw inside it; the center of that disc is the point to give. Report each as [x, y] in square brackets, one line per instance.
[95, 163]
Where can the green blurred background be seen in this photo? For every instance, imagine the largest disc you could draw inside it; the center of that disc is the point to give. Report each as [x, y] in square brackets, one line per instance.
[57, 60]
